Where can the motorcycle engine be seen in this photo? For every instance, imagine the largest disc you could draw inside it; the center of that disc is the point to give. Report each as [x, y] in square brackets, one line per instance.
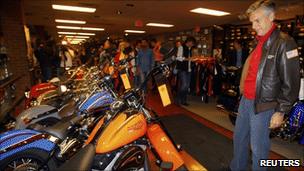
[127, 158]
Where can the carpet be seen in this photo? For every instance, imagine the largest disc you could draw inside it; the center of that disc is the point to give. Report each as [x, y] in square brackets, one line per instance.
[213, 150]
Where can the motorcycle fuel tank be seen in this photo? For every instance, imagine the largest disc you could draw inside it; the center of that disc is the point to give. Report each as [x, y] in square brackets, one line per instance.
[123, 129]
[97, 100]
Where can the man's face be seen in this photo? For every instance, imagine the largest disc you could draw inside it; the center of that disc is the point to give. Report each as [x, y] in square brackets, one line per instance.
[261, 21]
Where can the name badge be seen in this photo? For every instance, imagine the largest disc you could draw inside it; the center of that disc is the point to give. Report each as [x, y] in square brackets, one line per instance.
[292, 53]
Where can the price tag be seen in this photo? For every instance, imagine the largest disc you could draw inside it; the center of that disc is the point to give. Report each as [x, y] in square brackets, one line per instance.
[164, 95]
[125, 80]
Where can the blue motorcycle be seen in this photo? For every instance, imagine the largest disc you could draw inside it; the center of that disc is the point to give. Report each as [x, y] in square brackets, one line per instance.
[293, 127]
[46, 147]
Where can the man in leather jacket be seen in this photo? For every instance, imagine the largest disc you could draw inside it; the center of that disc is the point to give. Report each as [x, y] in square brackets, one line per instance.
[269, 84]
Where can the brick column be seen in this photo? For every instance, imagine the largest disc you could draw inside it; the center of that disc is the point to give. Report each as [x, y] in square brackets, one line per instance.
[12, 27]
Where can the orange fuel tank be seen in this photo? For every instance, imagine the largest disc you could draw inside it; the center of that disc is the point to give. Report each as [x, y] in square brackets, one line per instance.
[95, 130]
[125, 128]
[163, 146]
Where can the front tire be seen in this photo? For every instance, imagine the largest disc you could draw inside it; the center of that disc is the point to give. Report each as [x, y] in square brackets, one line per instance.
[31, 159]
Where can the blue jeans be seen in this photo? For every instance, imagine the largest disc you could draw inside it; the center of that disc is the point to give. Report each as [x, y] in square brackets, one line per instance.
[250, 129]
[46, 73]
[184, 78]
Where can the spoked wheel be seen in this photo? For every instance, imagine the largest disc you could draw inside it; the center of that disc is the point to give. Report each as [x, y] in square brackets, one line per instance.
[28, 160]
[25, 164]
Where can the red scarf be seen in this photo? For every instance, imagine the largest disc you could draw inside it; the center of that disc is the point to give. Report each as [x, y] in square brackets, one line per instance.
[250, 81]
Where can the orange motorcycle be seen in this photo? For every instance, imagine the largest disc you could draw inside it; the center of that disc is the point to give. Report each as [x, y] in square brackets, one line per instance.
[130, 137]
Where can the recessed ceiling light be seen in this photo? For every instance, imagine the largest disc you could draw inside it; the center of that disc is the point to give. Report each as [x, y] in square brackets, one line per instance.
[159, 25]
[87, 34]
[74, 33]
[135, 31]
[73, 8]
[209, 12]
[80, 28]
[70, 21]
[71, 39]
[81, 37]
[71, 33]
[126, 34]
[68, 27]
[92, 28]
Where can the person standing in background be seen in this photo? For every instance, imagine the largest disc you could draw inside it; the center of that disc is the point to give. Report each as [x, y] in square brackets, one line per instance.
[238, 55]
[184, 71]
[158, 56]
[269, 84]
[145, 60]
[44, 60]
[66, 59]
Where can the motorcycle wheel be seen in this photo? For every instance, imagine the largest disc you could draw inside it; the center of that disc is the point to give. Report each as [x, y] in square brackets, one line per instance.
[31, 159]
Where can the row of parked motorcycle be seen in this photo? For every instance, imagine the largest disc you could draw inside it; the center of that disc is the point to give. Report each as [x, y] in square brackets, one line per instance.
[293, 127]
[83, 123]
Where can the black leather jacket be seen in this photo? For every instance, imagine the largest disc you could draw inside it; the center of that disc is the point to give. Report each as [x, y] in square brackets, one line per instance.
[278, 77]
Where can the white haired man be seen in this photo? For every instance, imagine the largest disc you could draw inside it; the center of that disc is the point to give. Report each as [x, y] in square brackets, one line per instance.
[269, 85]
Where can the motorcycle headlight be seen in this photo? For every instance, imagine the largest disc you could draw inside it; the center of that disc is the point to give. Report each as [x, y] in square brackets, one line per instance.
[27, 94]
[63, 88]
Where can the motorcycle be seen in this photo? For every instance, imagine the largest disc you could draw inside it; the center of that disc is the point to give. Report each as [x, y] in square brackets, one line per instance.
[38, 90]
[122, 137]
[127, 135]
[97, 98]
[293, 126]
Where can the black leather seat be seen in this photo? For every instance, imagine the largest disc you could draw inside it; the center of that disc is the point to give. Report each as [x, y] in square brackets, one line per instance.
[68, 109]
[81, 161]
[59, 130]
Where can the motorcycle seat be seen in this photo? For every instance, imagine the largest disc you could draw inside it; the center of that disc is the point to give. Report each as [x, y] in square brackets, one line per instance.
[81, 161]
[59, 130]
[68, 109]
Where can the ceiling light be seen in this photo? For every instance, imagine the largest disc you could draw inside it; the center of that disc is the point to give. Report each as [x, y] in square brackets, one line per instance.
[70, 21]
[209, 12]
[80, 28]
[73, 8]
[72, 33]
[135, 31]
[71, 39]
[92, 28]
[87, 34]
[126, 34]
[68, 27]
[159, 25]
[81, 37]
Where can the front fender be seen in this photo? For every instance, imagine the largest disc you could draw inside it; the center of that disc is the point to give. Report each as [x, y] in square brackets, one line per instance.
[34, 115]
[16, 141]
